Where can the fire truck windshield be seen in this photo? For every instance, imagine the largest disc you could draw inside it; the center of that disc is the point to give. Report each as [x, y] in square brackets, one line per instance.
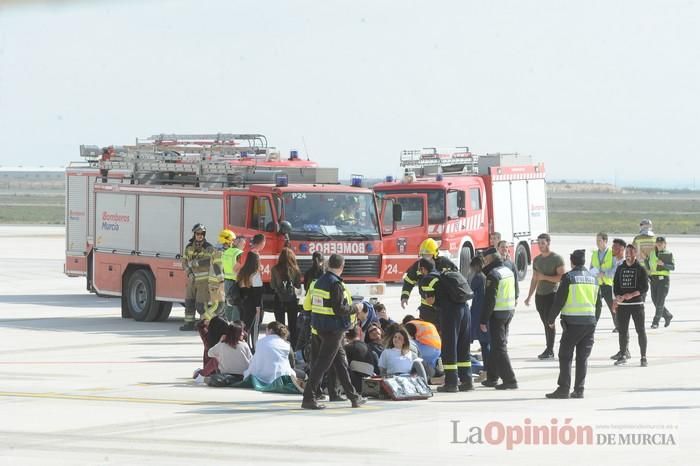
[336, 215]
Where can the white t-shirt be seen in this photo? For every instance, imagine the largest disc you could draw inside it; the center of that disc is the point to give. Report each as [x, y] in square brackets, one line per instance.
[394, 362]
[271, 359]
[231, 360]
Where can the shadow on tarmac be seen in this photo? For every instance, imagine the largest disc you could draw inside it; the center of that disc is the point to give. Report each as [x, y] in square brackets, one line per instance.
[61, 300]
[97, 325]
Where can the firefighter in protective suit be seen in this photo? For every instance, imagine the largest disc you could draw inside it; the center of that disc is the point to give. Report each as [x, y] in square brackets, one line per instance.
[428, 250]
[202, 265]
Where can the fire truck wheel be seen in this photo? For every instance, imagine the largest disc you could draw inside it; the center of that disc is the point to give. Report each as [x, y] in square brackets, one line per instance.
[521, 261]
[140, 296]
[465, 257]
[164, 309]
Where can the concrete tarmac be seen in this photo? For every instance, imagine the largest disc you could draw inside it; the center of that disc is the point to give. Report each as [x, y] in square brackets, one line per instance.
[81, 386]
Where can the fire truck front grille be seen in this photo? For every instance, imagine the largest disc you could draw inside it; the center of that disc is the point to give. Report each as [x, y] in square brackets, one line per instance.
[353, 267]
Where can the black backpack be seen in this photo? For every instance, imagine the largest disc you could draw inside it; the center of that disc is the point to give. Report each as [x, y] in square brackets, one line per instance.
[288, 293]
[456, 287]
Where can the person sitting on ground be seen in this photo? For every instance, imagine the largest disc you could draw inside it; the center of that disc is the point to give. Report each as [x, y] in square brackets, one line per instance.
[271, 359]
[210, 331]
[232, 353]
[375, 343]
[389, 336]
[362, 362]
[427, 340]
[366, 317]
[383, 316]
[397, 358]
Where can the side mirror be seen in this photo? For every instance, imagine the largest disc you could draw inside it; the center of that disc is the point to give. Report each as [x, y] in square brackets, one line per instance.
[285, 227]
[397, 212]
[461, 201]
[461, 212]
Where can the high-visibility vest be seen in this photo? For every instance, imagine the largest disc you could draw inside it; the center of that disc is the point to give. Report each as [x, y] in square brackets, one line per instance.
[645, 244]
[653, 264]
[427, 334]
[307, 298]
[322, 315]
[228, 261]
[428, 287]
[505, 296]
[583, 294]
[606, 266]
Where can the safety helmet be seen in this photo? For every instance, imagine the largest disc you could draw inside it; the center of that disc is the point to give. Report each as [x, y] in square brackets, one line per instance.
[199, 227]
[645, 222]
[226, 236]
[429, 246]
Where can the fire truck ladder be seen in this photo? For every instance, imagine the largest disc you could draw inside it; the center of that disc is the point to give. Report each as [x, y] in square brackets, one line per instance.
[430, 161]
[171, 168]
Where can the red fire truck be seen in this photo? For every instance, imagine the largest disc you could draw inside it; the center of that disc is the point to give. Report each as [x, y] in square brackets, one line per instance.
[459, 199]
[130, 211]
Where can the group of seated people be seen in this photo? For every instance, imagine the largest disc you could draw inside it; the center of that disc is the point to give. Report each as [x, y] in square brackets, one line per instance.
[376, 346]
[226, 352]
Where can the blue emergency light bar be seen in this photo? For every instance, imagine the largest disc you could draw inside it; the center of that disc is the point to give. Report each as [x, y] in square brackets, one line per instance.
[356, 181]
[281, 180]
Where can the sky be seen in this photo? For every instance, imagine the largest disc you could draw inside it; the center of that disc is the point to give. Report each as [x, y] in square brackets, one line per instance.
[597, 90]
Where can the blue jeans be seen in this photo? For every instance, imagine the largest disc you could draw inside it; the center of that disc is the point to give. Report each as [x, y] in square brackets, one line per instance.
[429, 354]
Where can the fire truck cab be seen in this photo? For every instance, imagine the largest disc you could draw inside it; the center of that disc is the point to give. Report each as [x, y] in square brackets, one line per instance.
[130, 212]
[459, 199]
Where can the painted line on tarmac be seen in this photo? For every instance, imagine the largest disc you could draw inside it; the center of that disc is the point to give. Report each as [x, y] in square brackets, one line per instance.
[59, 396]
[91, 362]
[292, 405]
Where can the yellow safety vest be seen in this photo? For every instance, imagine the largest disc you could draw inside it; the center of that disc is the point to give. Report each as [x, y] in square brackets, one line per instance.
[583, 294]
[653, 264]
[606, 266]
[505, 296]
[228, 260]
[321, 306]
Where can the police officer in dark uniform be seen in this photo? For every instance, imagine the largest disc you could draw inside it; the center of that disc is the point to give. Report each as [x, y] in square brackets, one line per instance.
[497, 312]
[331, 317]
[454, 324]
[428, 250]
[576, 299]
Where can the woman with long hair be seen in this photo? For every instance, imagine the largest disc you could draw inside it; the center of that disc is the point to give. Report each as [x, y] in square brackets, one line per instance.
[251, 296]
[398, 358]
[285, 281]
[315, 271]
[232, 353]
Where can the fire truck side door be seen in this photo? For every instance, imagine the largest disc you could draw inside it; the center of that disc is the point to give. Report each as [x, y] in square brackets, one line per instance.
[401, 238]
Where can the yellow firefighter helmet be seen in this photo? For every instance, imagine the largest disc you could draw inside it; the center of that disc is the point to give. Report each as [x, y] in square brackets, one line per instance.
[429, 246]
[226, 236]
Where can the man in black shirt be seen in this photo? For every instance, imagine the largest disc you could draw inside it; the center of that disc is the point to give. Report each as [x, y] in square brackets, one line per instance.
[630, 284]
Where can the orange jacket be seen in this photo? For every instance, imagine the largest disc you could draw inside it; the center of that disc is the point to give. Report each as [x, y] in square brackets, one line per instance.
[427, 334]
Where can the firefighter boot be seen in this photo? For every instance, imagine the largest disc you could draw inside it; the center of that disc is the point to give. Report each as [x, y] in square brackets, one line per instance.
[465, 377]
[451, 382]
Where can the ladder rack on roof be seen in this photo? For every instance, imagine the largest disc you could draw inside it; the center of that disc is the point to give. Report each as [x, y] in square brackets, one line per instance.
[430, 161]
[215, 145]
[215, 160]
